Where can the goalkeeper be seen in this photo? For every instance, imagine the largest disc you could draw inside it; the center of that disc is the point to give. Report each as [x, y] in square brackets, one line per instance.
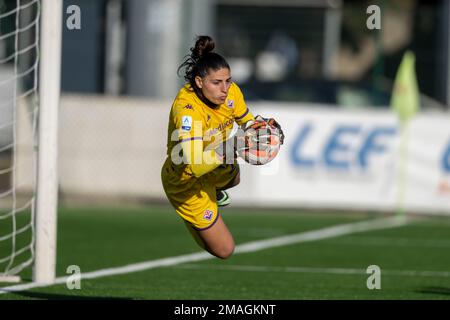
[201, 162]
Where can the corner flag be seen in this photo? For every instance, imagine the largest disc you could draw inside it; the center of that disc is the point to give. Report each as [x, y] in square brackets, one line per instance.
[405, 95]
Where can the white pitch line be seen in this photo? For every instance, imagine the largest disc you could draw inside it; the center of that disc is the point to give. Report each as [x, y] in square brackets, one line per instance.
[404, 273]
[325, 233]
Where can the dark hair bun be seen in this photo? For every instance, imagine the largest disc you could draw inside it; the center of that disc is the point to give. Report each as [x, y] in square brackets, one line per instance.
[201, 60]
[203, 45]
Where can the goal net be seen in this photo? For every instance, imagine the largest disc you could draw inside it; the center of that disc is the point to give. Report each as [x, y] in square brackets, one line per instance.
[19, 57]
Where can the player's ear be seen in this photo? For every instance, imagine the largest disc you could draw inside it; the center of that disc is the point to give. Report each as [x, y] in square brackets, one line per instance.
[198, 81]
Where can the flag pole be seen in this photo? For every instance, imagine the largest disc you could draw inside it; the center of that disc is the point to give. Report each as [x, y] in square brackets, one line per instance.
[405, 102]
[402, 168]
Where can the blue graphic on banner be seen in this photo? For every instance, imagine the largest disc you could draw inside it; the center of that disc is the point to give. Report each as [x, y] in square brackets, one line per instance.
[371, 143]
[446, 158]
[337, 153]
[336, 148]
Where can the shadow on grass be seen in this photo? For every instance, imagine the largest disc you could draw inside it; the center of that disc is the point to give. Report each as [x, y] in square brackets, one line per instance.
[54, 296]
[435, 290]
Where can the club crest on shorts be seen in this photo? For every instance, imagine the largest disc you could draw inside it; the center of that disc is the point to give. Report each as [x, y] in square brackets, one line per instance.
[208, 215]
[230, 104]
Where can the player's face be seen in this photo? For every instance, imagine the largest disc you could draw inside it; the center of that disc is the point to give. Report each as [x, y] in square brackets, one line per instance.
[215, 85]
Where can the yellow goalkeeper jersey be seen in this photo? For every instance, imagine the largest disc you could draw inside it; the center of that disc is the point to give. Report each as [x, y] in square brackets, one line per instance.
[193, 126]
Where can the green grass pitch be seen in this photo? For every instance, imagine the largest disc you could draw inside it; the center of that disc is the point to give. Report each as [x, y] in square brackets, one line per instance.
[413, 259]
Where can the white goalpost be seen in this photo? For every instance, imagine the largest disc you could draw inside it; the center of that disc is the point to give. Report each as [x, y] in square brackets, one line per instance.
[47, 185]
[30, 63]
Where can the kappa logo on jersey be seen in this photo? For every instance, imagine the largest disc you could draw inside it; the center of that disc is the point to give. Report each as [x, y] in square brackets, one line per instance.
[208, 215]
[188, 106]
[230, 104]
[186, 123]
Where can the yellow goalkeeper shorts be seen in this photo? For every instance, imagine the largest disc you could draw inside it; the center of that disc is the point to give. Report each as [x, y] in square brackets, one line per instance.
[195, 199]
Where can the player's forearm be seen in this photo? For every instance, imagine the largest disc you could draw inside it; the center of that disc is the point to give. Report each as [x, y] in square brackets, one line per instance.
[208, 164]
[199, 161]
[248, 117]
[200, 169]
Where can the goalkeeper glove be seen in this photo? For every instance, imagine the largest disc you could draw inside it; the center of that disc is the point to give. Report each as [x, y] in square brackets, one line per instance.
[227, 149]
[260, 121]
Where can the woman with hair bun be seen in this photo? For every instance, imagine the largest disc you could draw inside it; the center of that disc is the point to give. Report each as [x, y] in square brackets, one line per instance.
[201, 159]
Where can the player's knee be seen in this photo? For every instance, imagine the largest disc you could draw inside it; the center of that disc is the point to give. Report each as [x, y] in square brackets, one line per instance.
[224, 251]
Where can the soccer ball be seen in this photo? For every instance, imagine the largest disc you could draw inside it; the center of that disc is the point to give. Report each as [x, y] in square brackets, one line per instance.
[260, 143]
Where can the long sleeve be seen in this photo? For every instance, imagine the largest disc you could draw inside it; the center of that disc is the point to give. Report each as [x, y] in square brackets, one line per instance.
[199, 160]
[242, 113]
